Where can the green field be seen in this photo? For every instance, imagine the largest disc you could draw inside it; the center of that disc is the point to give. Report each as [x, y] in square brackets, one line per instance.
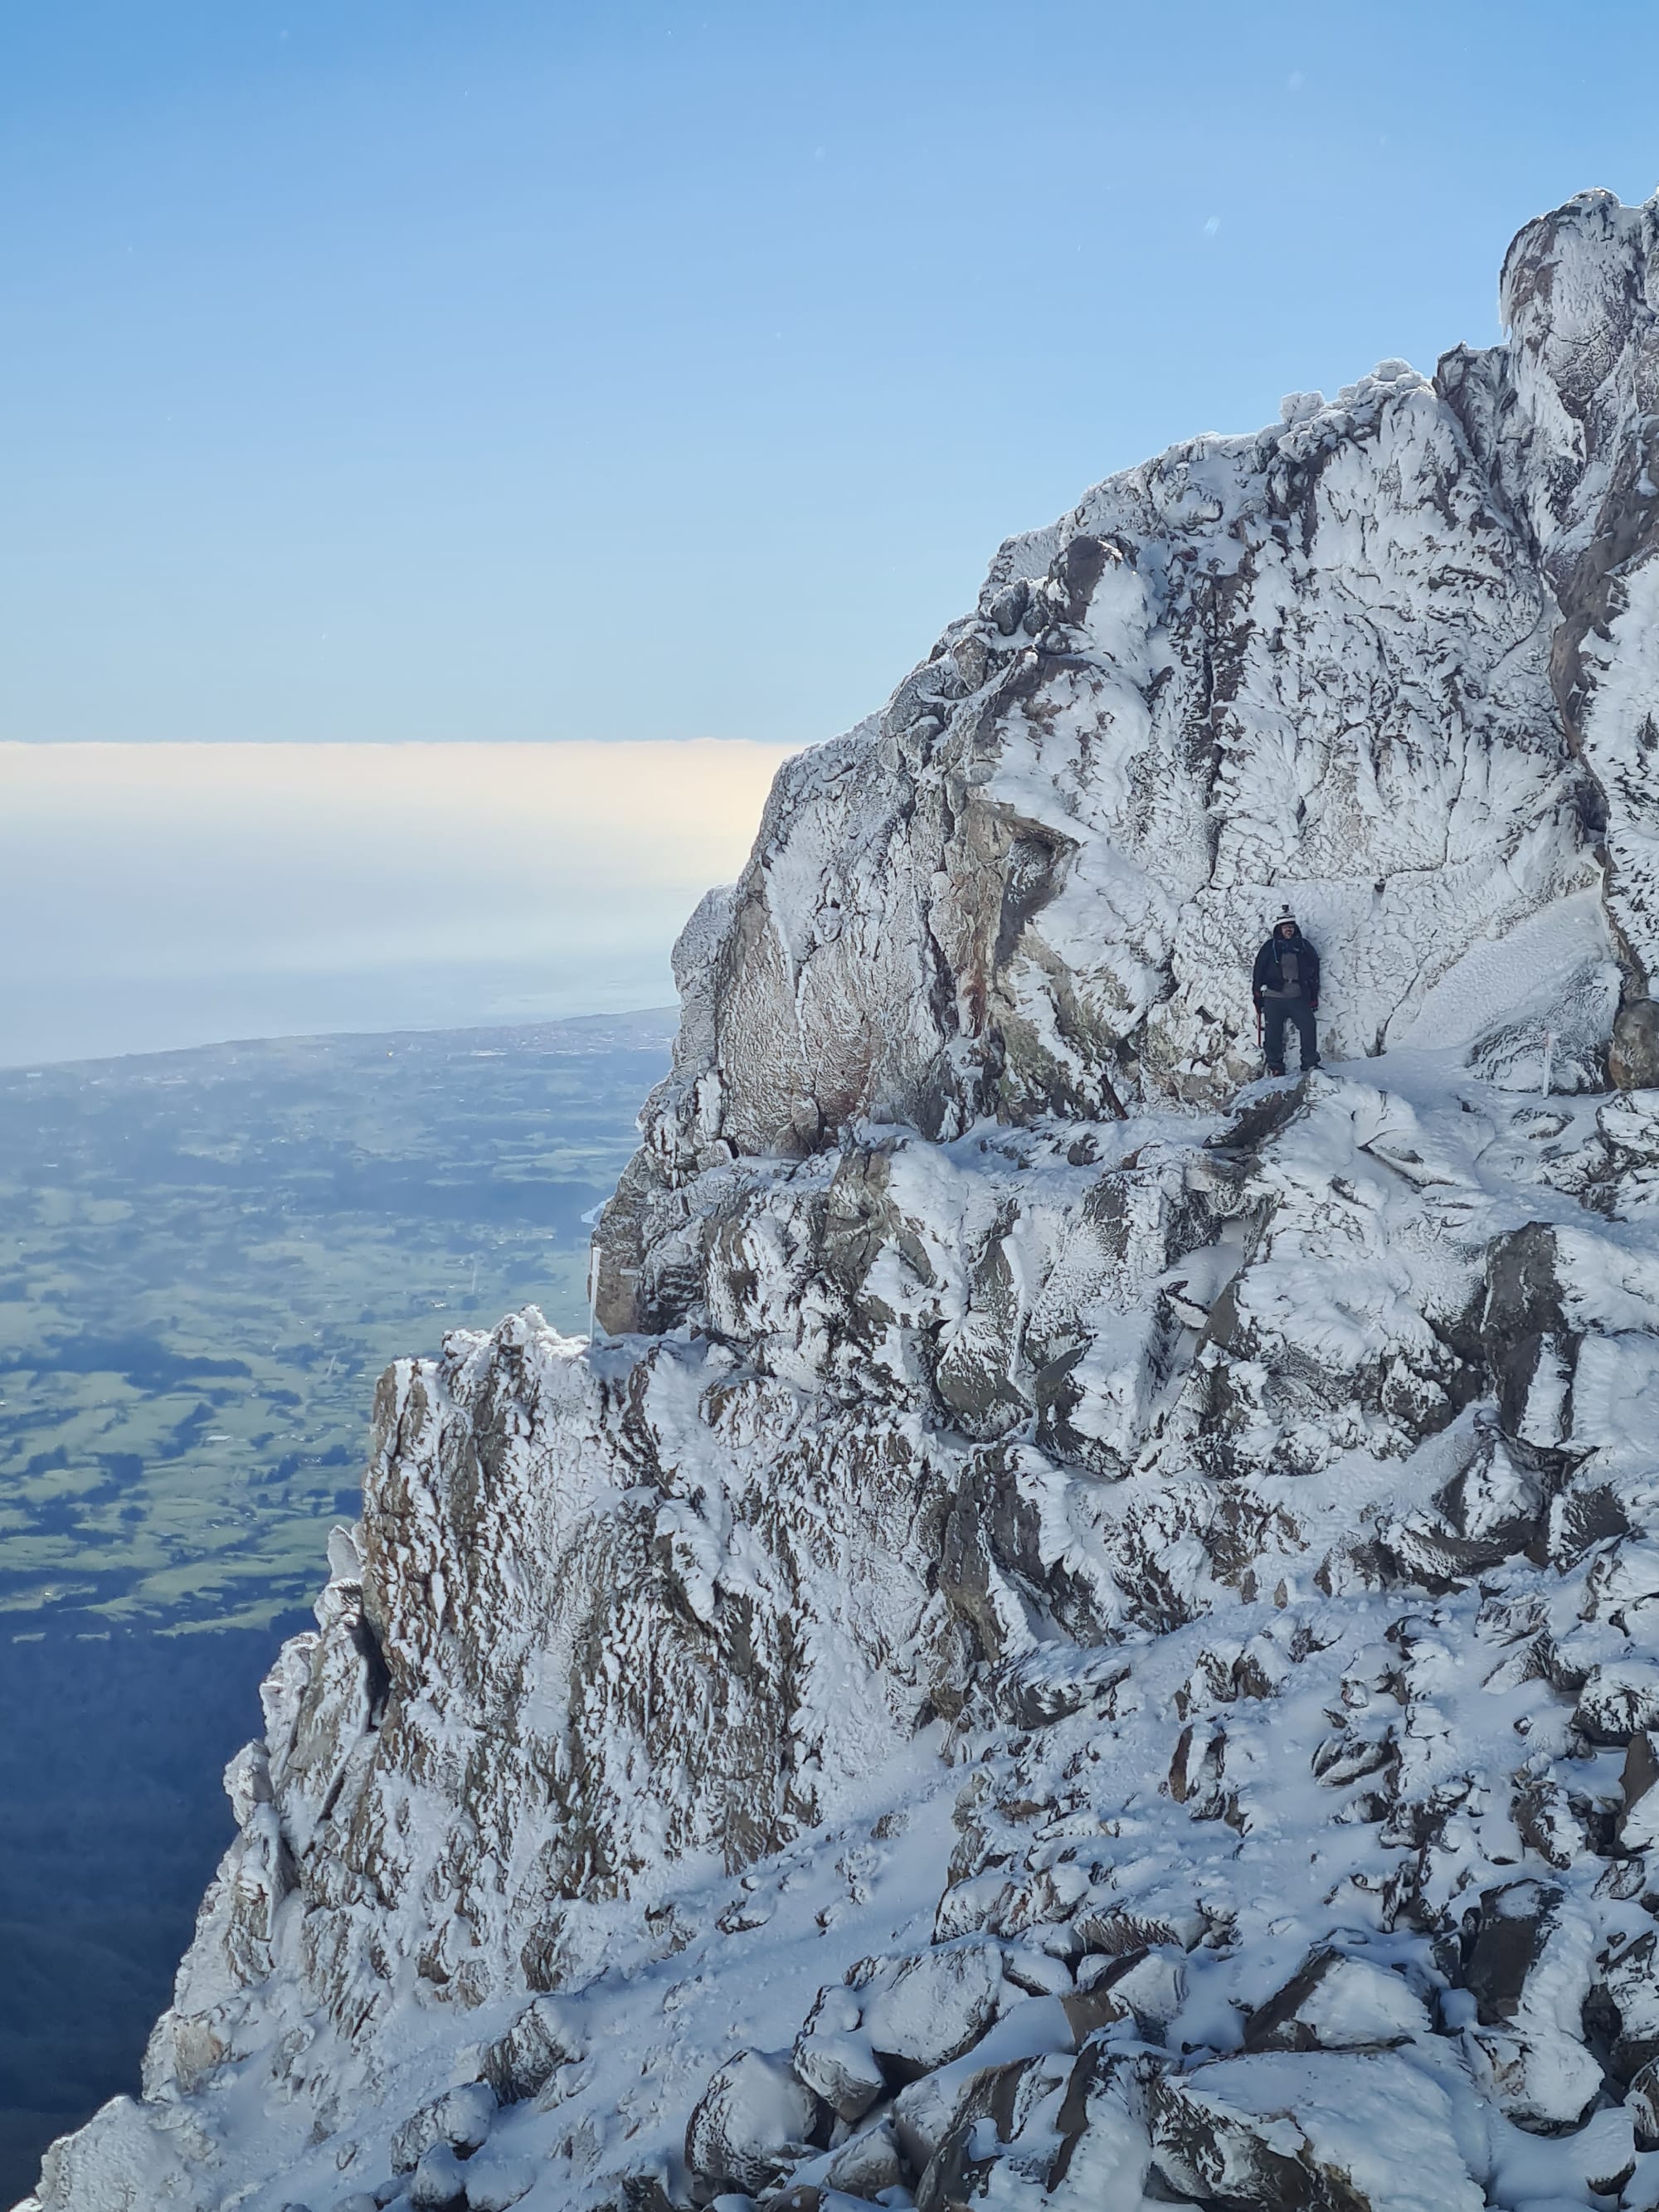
[206, 1259]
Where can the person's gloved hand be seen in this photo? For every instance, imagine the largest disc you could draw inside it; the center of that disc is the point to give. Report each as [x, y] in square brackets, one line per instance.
[1314, 1003]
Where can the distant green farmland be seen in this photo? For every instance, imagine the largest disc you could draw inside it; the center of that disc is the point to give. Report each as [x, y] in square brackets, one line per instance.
[206, 1258]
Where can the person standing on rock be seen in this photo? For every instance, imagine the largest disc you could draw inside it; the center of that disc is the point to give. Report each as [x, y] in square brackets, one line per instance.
[1286, 988]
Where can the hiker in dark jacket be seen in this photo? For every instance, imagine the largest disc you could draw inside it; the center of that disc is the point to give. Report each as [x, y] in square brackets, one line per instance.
[1286, 988]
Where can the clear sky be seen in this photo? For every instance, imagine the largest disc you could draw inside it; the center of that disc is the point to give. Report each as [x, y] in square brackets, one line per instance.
[477, 369]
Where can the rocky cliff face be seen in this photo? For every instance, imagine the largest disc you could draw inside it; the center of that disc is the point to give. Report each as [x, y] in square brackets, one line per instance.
[1087, 1636]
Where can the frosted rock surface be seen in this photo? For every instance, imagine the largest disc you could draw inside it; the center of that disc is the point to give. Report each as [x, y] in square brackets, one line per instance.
[1086, 1636]
[1393, 659]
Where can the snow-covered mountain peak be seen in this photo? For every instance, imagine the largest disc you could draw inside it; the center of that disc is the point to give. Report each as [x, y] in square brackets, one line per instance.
[1369, 659]
[1085, 1636]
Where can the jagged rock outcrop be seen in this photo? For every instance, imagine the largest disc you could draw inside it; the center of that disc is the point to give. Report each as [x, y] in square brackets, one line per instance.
[1085, 1639]
[1393, 656]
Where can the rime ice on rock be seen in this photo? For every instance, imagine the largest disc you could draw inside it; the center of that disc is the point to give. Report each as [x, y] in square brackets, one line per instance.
[1086, 1639]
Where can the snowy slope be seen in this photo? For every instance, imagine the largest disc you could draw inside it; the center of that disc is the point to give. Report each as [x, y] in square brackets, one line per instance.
[1088, 1635]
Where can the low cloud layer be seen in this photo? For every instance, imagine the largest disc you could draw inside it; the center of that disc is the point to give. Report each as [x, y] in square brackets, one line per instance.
[163, 896]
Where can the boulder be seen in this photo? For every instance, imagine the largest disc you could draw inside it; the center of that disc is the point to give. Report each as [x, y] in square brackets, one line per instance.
[873, 2162]
[1642, 2103]
[844, 2071]
[1335, 2002]
[1546, 1824]
[1103, 2152]
[1633, 1053]
[460, 2118]
[440, 2180]
[546, 2035]
[835, 2058]
[1619, 1701]
[1639, 1823]
[1039, 1974]
[496, 2180]
[1529, 1973]
[936, 2007]
[1116, 1928]
[1149, 1987]
[922, 2113]
[1312, 2132]
[752, 2122]
[465, 2115]
[1514, 1924]
[1624, 2006]
[989, 2119]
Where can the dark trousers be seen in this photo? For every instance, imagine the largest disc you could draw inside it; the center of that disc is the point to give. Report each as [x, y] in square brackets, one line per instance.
[1275, 1012]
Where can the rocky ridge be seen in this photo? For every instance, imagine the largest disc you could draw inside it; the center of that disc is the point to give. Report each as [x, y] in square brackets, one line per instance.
[1085, 1636]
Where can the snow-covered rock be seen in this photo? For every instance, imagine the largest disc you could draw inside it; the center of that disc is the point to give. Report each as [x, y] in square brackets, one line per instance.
[752, 2121]
[936, 2006]
[1088, 1635]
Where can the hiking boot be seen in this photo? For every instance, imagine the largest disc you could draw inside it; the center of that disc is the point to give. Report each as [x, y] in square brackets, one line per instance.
[1275, 1071]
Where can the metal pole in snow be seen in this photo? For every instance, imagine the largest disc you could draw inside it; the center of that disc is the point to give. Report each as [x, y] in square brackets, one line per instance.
[593, 1290]
[1549, 1053]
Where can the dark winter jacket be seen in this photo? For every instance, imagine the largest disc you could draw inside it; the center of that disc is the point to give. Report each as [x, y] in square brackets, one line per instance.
[1270, 976]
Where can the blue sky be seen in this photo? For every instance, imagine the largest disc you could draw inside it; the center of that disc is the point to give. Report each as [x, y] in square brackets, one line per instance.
[384, 369]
